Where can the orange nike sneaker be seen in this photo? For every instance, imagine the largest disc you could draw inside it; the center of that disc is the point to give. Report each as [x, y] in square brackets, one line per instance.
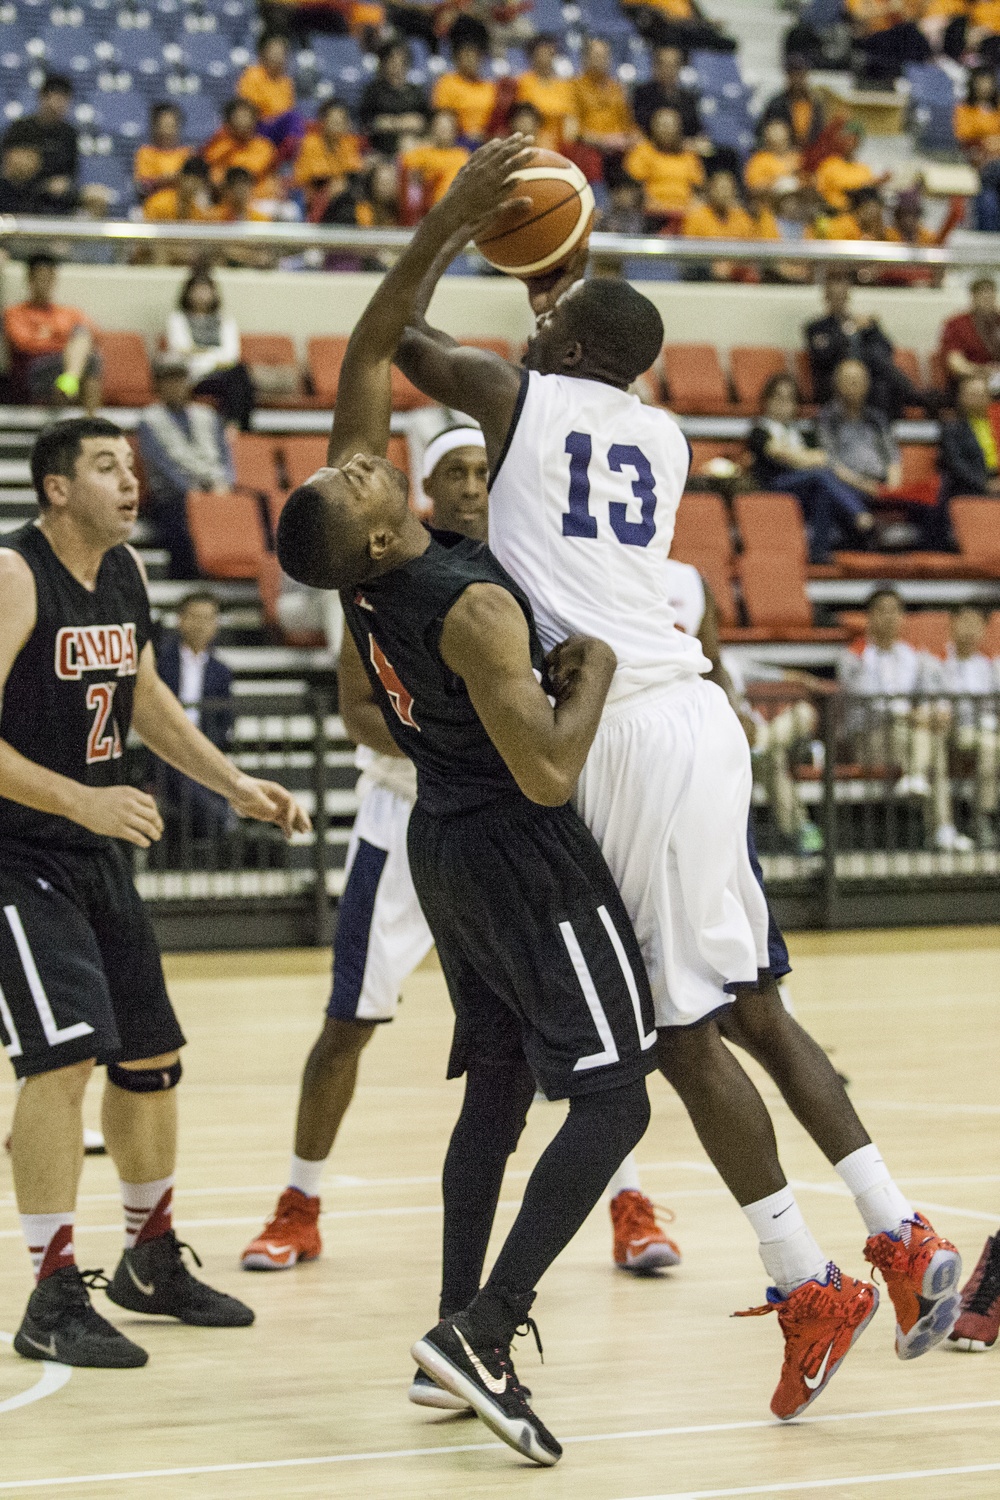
[978, 1325]
[640, 1244]
[820, 1321]
[290, 1235]
[922, 1272]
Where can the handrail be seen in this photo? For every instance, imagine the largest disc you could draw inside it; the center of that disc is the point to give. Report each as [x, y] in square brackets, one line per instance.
[646, 247]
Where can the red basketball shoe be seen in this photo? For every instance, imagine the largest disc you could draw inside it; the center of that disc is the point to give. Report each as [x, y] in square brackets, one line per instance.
[820, 1321]
[290, 1235]
[979, 1321]
[922, 1272]
[640, 1244]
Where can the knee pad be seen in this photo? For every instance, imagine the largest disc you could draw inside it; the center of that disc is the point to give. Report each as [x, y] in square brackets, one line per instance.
[145, 1080]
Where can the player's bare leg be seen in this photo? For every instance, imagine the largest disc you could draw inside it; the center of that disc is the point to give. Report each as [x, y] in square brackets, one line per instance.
[46, 1140]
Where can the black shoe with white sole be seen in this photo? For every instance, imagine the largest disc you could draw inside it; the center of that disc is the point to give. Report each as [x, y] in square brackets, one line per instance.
[482, 1373]
[426, 1392]
[152, 1278]
[60, 1324]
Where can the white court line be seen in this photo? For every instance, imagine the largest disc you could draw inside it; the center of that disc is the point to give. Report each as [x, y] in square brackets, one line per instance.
[596, 1437]
[51, 1379]
[798, 1487]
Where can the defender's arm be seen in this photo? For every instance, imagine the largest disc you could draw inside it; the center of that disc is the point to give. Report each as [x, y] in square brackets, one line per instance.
[485, 641]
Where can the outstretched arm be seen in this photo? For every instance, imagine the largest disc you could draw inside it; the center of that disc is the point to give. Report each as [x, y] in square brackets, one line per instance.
[364, 406]
[485, 641]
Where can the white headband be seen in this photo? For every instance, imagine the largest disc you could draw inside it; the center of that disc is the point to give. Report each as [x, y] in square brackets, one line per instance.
[445, 442]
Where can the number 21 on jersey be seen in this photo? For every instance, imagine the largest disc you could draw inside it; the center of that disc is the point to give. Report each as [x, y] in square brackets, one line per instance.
[578, 521]
[102, 744]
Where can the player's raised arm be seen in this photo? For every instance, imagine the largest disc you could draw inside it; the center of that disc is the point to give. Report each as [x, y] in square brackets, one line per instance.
[485, 641]
[361, 419]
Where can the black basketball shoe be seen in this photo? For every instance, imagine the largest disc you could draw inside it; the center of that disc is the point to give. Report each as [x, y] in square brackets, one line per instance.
[152, 1278]
[426, 1392]
[482, 1373]
[60, 1324]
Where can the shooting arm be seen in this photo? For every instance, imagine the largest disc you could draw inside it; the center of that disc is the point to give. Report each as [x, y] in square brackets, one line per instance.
[485, 641]
[359, 709]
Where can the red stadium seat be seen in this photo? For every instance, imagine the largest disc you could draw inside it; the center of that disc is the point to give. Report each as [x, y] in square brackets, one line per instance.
[227, 534]
[701, 529]
[751, 369]
[127, 379]
[921, 482]
[778, 607]
[703, 451]
[324, 357]
[254, 459]
[991, 640]
[772, 523]
[275, 368]
[908, 360]
[974, 522]
[927, 630]
[302, 457]
[716, 574]
[695, 380]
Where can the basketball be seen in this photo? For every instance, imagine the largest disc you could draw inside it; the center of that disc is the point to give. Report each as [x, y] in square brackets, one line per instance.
[530, 240]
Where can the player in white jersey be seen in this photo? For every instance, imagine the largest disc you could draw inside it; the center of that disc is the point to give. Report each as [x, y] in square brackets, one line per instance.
[585, 487]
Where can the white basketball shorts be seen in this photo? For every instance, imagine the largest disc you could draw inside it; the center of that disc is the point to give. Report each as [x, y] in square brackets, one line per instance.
[666, 793]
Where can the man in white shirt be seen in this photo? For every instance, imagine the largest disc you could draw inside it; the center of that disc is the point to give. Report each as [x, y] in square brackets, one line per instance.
[970, 677]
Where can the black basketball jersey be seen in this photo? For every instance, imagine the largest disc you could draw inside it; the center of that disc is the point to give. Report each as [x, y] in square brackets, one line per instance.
[67, 704]
[396, 623]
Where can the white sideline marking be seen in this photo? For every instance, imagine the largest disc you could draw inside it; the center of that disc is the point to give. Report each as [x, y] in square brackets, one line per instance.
[52, 1378]
[597, 1437]
[798, 1486]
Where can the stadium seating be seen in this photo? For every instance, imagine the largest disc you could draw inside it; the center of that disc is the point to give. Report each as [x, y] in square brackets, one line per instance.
[927, 630]
[227, 534]
[751, 369]
[694, 379]
[777, 604]
[324, 357]
[254, 459]
[701, 529]
[302, 457]
[275, 369]
[974, 522]
[772, 523]
[128, 379]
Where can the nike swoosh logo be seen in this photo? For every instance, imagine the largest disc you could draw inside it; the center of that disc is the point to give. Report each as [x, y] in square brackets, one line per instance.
[813, 1382]
[277, 1249]
[494, 1383]
[146, 1290]
[49, 1348]
[782, 1211]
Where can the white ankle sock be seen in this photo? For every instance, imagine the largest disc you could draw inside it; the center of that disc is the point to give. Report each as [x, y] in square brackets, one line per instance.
[626, 1179]
[49, 1238]
[305, 1175]
[879, 1201]
[787, 1248]
[148, 1210]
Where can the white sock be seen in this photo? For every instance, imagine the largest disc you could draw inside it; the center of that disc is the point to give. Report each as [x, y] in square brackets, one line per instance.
[49, 1238]
[626, 1179]
[148, 1210]
[305, 1175]
[787, 1248]
[879, 1201]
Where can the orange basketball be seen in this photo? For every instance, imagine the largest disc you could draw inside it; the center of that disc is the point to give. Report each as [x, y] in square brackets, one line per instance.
[530, 240]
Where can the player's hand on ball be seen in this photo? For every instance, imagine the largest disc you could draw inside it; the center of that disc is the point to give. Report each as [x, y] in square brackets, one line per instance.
[480, 190]
[120, 812]
[544, 291]
[577, 654]
[269, 803]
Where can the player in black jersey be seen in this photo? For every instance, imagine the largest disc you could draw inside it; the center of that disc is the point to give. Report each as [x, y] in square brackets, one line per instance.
[80, 974]
[542, 966]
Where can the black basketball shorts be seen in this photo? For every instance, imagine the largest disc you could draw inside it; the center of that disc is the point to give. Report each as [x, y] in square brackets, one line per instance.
[80, 971]
[536, 947]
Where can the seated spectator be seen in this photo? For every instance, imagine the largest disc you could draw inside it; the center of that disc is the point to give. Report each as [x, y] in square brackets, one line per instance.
[188, 665]
[239, 143]
[183, 447]
[857, 438]
[50, 133]
[270, 88]
[969, 676]
[976, 121]
[188, 201]
[52, 354]
[983, 33]
[720, 216]
[378, 205]
[600, 108]
[668, 172]
[840, 336]
[298, 19]
[970, 342]
[468, 95]
[551, 95]
[237, 205]
[797, 105]
[890, 731]
[887, 34]
[22, 186]
[210, 346]
[432, 166]
[863, 219]
[834, 512]
[665, 91]
[624, 213]
[840, 174]
[776, 159]
[331, 150]
[393, 111]
[158, 163]
[967, 456]
[908, 228]
[677, 23]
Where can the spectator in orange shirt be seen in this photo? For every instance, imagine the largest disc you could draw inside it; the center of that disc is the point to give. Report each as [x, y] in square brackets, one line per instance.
[863, 219]
[776, 158]
[983, 33]
[157, 164]
[841, 173]
[236, 206]
[720, 217]
[53, 359]
[239, 144]
[433, 166]
[976, 122]
[188, 201]
[551, 95]
[270, 88]
[328, 151]
[600, 108]
[470, 97]
[668, 173]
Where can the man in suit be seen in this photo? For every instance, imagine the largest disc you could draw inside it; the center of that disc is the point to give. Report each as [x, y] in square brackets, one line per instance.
[967, 457]
[203, 683]
[841, 335]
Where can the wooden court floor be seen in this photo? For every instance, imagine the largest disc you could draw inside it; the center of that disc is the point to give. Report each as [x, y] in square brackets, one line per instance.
[654, 1391]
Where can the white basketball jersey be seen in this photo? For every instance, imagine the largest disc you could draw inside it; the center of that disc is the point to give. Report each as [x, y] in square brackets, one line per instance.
[686, 595]
[582, 510]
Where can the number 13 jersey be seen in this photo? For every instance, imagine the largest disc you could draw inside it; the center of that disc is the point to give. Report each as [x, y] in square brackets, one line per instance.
[582, 508]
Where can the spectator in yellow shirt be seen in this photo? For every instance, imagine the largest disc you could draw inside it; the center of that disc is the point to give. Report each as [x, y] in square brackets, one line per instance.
[470, 97]
[157, 164]
[270, 88]
[976, 122]
[188, 201]
[236, 206]
[776, 159]
[668, 173]
[436, 163]
[600, 108]
[329, 150]
[984, 31]
[841, 174]
[721, 217]
[551, 95]
[239, 144]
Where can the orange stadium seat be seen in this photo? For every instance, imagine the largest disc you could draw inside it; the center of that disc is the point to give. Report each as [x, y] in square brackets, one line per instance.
[778, 607]
[974, 522]
[703, 451]
[927, 630]
[772, 523]
[694, 379]
[227, 534]
[920, 481]
[275, 368]
[908, 360]
[701, 529]
[127, 379]
[751, 369]
[253, 457]
[398, 453]
[302, 457]
[991, 640]
[716, 575]
[324, 357]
